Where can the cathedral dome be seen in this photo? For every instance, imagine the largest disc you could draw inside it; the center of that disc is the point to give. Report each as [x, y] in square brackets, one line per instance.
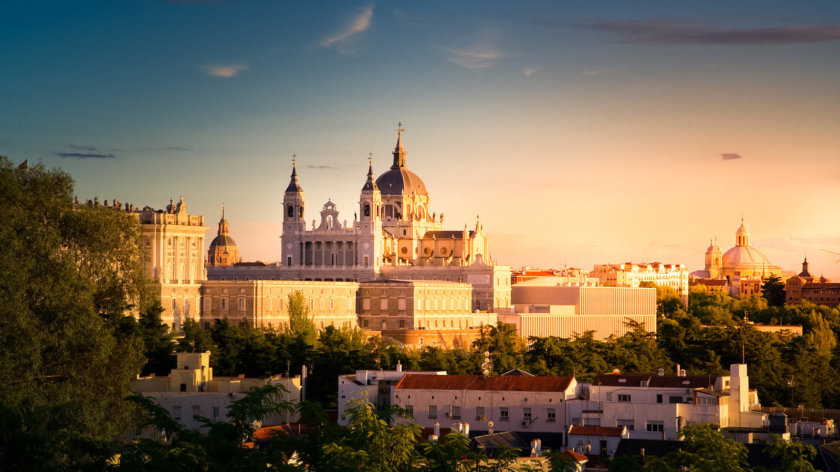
[223, 250]
[744, 257]
[399, 180]
[222, 241]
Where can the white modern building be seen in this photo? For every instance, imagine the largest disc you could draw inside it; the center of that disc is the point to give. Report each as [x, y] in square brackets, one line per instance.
[554, 310]
[658, 406]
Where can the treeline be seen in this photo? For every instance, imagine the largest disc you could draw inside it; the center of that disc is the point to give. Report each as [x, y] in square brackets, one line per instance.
[704, 338]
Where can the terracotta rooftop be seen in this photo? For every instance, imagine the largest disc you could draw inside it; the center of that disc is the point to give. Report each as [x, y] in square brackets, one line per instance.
[596, 431]
[513, 383]
[654, 380]
[570, 454]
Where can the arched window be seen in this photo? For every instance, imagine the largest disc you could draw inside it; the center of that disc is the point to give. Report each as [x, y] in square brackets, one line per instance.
[367, 209]
[291, 211]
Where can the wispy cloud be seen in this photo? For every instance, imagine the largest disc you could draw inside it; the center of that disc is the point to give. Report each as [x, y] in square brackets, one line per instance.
[477, 58]
[224, 70]
[681, 31]
[529, 71]
[729, 156]
[590, 73]
[85, 155]
[358, 24]
[321, 167]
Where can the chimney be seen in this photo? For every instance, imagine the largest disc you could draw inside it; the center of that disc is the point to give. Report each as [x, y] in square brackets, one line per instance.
[682, 373]
[660, 372]
[399, 366]
[678, 370]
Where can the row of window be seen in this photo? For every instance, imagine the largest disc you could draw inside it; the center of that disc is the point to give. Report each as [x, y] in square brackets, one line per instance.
[480, 415]
[196, 411]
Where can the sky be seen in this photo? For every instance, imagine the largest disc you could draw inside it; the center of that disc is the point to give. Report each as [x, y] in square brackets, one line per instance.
[578, 132]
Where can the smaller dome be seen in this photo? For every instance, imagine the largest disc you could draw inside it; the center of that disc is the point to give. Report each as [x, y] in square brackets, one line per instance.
[713, 247]
[222, 241]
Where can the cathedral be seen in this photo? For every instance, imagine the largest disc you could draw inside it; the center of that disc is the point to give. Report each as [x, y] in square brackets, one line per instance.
[394, 236]
[741, 267]
[393, 228]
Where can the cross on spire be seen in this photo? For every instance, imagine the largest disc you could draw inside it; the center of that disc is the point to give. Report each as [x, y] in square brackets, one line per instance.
[294, 158]
[400, 128]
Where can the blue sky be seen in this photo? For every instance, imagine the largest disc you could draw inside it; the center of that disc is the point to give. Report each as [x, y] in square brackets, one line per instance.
[581, 132]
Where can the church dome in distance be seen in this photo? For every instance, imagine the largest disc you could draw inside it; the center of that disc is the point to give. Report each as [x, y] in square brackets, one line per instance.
[398, 179]
[744, 256]
[223, 250]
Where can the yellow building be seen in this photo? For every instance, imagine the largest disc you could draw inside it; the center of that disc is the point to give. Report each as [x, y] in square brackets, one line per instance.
[173, 244]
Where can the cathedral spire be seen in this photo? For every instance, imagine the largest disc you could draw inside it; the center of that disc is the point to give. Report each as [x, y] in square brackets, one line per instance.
[224, 226]
[370, 184]
[399, 150]
[294, 185]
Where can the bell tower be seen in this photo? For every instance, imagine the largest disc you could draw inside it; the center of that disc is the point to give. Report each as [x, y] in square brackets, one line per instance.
[370, 224]
[293, 221]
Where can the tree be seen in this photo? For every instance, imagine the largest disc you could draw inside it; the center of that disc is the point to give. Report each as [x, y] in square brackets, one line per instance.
[791, 456]
[371, 445]
[68, 276]
[669, 303]
[705, 450]
[195, 338]
[773, 290]
[159, 348]
[300, 322]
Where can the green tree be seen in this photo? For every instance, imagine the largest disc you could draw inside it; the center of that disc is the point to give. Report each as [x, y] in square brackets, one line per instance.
[195, 338]
[370, 444]
[669, 303]
[773, 290]
[158, 344]
[705, 449]
[791, 456]
[300, 321]
[68, 276]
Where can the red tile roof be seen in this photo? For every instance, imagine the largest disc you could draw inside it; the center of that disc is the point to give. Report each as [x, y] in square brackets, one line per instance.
[570, 454]
[478, 382]
[596, 431]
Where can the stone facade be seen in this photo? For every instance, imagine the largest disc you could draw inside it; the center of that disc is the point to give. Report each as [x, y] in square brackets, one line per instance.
[173, 245]
[632, 275]
[265, 303]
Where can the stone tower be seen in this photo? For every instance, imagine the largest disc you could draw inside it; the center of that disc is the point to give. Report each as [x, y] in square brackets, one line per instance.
[370, 224]
[293, 220]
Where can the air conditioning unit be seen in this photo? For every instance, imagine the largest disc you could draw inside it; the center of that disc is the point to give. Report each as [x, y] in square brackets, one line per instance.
[526, 423]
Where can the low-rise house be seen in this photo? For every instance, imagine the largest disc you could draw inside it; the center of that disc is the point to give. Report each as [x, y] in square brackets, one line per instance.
[376, 386]
[596, 440]
[191, 391]
[518, 403]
